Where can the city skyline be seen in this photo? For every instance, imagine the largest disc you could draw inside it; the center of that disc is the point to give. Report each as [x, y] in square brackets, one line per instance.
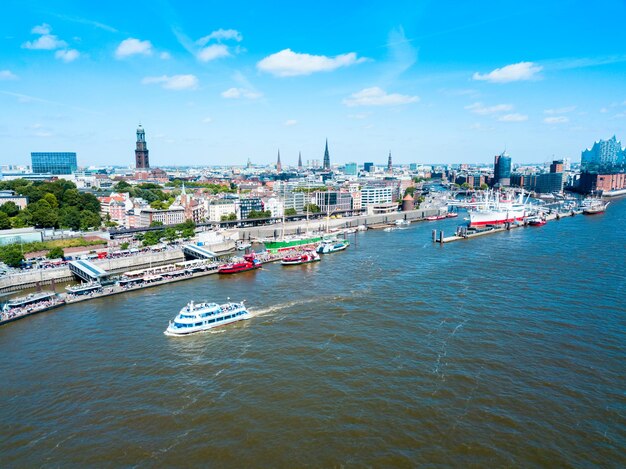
[214, 85]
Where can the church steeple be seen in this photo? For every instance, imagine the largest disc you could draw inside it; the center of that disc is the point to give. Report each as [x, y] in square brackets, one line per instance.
[141, 150]
[279, 166]
[389, 164]
[299, 161]
[326, 157]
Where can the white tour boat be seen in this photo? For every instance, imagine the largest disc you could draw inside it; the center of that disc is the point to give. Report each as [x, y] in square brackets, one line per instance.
[204, 316]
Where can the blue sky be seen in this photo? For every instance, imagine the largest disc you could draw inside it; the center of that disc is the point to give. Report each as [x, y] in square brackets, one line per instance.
[221, 82]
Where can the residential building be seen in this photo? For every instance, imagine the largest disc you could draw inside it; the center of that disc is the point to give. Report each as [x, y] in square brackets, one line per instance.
[246, 205]
[371, 195]
[171, 216]
[10, 196]
[222, 207]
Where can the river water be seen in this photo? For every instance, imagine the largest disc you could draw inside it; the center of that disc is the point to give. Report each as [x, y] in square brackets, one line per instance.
[505, 350]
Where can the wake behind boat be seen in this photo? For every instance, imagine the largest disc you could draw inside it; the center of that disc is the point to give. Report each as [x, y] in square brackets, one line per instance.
[204, 316]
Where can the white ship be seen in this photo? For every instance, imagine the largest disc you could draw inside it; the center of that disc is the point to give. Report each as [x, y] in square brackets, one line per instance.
[497, 209]
[203, 316]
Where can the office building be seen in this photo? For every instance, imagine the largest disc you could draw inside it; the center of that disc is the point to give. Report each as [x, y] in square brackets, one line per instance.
[53, 162]
[350, 169]
[502, 169]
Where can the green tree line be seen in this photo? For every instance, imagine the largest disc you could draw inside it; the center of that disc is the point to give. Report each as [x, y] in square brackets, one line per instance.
[56, 204]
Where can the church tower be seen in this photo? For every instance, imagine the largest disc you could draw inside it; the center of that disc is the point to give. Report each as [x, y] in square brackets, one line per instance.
[141, 151]
[279, 166]
[389, 165]
[299, 161]
[326, 157]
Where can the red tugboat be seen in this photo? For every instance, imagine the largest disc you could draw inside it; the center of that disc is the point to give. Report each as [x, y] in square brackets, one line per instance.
[249, 263]
[302, 258]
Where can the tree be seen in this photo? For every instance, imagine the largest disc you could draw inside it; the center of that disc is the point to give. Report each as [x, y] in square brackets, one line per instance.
[152, 237]
[290, 211]
[90, 202]
[5, 223]
[122, 186]
[124, 246]
[43, 215]
[89, 220]
[171, 234]
[12, 255]
[409, 190]
[51, 199]
[465, 185]
[55, 253]
[21, 220]
[69, 217]
[72, 198]
[484, 187]
[156, 223]
[312, 208]
[10, 208]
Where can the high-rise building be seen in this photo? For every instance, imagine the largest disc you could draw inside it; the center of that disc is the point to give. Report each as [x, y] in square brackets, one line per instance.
[389, 164]
[350, 169]
[141, 150]
[502, 169]
[326, 157]
[279, 166]
[603, 155]
[368, 167]
[556, 166]
[53, 162]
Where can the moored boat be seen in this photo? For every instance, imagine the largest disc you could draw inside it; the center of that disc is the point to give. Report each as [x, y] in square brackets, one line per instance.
[291, 242]
[594, 206]
[249, 263]
[536, 221]
[204, 316]
[305, 257]
[328, 246]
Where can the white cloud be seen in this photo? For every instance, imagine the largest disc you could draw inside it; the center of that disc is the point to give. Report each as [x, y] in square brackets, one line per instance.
[604, 110]
[175, 82]
[480, 108]
[165, 55]
[556, 120]
[45, 42]
[236, 93]
[360, 115]
[41, 29]
[514, 72]
[290, 122]
[376, 96]
[7, 75]
[288, 63]
[562, 110]
[212, 52]
[207, 120]
[67, 55]
[132, 46]
[220, 35]
[515, 117]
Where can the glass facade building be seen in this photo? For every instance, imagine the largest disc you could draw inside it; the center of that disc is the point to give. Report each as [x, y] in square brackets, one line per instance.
[54, 163]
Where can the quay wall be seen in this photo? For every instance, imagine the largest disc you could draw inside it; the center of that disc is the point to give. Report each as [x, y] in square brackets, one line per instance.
[30, 279]
[297, 227]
